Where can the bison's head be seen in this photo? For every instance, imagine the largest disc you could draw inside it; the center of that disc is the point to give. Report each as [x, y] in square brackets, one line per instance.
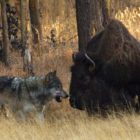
[81, 74]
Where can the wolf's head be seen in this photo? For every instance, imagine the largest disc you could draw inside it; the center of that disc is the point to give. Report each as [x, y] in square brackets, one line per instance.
[54, 87]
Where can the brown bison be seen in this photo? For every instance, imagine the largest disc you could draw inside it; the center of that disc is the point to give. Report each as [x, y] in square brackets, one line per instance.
[108, 74]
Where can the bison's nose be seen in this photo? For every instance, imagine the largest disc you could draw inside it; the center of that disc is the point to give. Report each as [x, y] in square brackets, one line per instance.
[72, 102]
[75, 103]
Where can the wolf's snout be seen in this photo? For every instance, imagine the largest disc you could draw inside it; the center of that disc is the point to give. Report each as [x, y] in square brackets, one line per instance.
[67, 95]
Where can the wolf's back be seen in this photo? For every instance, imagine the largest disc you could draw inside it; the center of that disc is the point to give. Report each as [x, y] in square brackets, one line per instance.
[5, 82]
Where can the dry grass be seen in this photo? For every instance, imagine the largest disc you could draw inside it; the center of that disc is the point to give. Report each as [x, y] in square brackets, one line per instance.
[62, 122]
[73, 126]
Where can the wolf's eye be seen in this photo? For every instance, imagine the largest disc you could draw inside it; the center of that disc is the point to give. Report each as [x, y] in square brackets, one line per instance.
[59, 86]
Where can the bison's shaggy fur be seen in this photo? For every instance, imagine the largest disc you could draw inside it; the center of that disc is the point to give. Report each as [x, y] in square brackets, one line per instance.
[117, 54]
[115, 79]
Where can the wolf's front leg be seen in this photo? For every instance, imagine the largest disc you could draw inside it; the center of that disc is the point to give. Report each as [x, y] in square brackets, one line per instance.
[21, 116]
[40, 117]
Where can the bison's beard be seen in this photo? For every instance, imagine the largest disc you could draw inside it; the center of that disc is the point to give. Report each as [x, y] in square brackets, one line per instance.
[77, 103]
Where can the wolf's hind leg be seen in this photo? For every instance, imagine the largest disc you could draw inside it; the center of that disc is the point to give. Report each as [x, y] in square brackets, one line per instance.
[40, 117]
[21, 115]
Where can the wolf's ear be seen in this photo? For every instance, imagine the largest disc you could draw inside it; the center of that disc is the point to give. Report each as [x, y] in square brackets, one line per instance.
[54, 72]
[46, 79]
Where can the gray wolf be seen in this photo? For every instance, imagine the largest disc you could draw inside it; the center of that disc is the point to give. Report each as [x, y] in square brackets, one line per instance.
[108, 72]
[32, 94]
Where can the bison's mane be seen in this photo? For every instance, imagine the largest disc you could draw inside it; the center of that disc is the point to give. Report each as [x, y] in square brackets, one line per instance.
[116, 54]
[114, 43]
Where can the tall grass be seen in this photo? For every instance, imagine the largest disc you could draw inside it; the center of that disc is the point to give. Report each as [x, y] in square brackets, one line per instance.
[71, 127]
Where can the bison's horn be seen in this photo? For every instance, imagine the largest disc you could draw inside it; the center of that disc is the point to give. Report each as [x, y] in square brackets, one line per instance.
[74, 55]
[88, 58]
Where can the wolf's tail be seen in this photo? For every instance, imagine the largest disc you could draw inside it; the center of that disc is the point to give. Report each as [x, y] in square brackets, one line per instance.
[5, 82]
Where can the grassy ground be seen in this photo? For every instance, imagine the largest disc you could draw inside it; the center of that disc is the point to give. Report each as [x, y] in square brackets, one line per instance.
[62, 122]
[74, 126]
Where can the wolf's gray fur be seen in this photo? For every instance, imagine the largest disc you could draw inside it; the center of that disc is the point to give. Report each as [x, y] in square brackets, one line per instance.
[31, 94]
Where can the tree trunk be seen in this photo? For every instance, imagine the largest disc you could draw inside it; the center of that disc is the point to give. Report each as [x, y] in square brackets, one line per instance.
[91, 19]
[105, 12]
[35, 20]
[6, 42]
[23, 14]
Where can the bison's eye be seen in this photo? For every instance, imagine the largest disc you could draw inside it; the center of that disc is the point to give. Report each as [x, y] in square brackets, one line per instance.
[80, 77]
[91, 69]
[87, 79]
